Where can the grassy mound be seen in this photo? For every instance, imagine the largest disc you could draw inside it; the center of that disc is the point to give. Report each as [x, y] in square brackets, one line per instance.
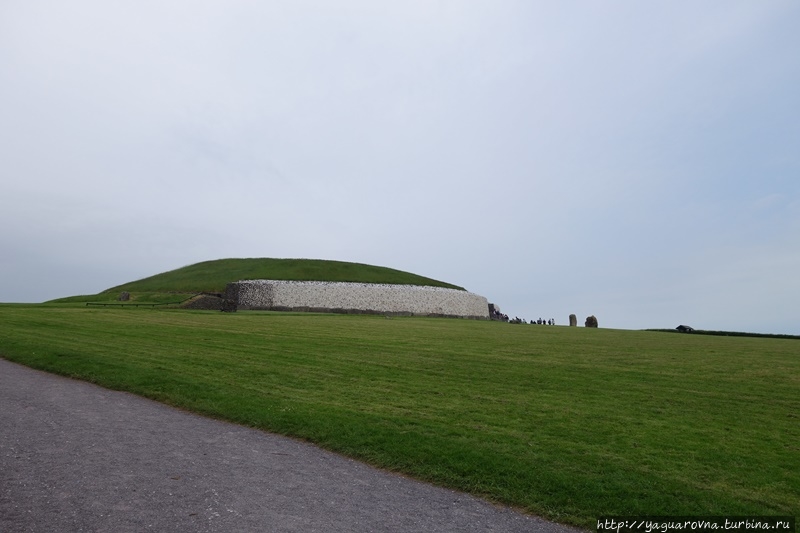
[213, 276]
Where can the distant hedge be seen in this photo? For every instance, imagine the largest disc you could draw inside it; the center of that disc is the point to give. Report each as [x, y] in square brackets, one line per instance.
[729, 333]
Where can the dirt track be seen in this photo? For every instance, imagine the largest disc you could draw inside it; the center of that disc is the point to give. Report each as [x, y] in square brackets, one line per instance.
[77, 457]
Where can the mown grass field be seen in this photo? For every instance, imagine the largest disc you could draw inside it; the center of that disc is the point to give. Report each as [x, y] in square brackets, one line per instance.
[568, 423]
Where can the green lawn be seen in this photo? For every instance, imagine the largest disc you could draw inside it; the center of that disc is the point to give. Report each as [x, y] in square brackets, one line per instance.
[568, 423]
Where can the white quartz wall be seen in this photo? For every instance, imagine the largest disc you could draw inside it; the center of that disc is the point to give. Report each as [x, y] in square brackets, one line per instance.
[356, 297]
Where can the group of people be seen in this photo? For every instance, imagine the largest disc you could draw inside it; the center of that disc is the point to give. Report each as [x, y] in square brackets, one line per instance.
[495, 314]
[540, 322]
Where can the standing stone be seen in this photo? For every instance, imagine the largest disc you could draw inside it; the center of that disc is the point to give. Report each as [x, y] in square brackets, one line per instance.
[124, 296]
[591, 322]
[573, 320]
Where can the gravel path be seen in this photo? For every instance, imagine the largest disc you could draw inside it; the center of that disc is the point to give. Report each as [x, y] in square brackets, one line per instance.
[77, 457]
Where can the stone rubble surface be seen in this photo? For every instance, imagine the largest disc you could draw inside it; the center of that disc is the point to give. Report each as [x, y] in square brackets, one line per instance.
[327, 296]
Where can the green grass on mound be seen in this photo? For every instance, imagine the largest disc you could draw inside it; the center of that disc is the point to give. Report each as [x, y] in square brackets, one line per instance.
[213, 276]
[568, 423]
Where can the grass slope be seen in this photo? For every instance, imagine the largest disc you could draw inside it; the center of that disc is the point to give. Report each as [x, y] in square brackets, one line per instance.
[213, 276]
[568, 423]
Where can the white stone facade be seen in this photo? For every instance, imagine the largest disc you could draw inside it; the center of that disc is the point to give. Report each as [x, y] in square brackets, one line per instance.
[374, 298]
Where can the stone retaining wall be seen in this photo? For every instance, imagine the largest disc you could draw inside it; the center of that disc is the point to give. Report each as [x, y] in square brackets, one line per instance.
[207, 302]
[366, 298]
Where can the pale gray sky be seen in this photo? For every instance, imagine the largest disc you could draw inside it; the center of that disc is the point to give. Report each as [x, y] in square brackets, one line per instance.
[639, 161]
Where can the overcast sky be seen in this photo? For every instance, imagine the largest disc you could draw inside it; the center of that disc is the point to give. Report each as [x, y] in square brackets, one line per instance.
[639, 161]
